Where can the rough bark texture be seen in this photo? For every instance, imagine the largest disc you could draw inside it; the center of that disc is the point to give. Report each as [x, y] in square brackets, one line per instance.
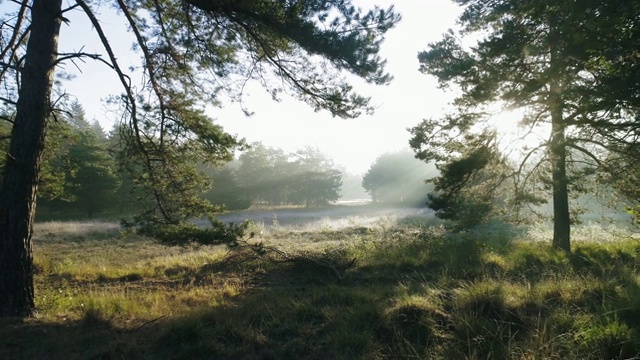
[558, 155]
[561, 217]
[19, 186]
[558, 146]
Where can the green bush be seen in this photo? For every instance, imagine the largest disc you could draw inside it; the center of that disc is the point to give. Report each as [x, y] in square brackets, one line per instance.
[184, 233]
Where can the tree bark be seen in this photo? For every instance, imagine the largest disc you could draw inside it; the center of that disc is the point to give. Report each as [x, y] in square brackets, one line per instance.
[561, 217]
[558, 146]
[20, 182]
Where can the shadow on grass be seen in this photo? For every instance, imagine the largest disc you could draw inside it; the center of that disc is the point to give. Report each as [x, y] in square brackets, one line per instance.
[420, 298]
[293, 310]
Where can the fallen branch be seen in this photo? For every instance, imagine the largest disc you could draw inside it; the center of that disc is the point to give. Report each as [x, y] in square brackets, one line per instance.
[147, 323]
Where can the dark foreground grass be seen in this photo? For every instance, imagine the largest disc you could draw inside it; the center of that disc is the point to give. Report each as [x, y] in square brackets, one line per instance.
[412, 292]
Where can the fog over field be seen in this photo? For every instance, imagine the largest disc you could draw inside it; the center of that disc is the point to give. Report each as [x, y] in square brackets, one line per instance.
[337, 217]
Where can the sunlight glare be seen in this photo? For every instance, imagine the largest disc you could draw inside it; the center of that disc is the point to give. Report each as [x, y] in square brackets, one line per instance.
[513, 137]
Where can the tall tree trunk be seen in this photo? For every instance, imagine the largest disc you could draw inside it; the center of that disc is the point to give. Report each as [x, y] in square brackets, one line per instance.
[561, 217]
[558, 146]
[20, 182]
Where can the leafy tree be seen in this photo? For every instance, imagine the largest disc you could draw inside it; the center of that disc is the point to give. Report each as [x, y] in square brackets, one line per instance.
[77, 118]
[52, 183]
[560, 61]
[262, 173]
[96, 179]
[306, 177]
[315, 188]
[314, 180]
[398, 178]
[129, 198]
[226, 189]
[623, 174]
[191, 50]
[312, 159]
[78, 172]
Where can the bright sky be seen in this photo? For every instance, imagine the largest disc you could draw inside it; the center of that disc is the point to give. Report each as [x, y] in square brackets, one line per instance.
[289, 124]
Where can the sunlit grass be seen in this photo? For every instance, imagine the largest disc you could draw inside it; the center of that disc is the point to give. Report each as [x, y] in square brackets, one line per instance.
[75, 230]
[346, 289]
[587, 232]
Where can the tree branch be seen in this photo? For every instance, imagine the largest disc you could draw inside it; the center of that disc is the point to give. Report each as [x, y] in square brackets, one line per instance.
[124, 79]
[150, 65]
[15, 36]
[2, 117]
[10, 66]
[584, 151]
[8, 101]
[70, 8]
[81, 55]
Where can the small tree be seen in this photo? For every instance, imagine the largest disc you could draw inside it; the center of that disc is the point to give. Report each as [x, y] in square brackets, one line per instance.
[313, 178]
[315, 188]
[472, 185]
[262, 173]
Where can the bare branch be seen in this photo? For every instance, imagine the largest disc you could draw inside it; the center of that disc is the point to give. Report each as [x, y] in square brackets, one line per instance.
[533, 171]
[9, 120]
[81, 56]
[70, 8]
[16, 38]
[124, 79]
[595, 142]
[10, 66]
[150, 67]
[526, 158]
[8, 101]
[584, 151]
[21, 3]
[147, 323]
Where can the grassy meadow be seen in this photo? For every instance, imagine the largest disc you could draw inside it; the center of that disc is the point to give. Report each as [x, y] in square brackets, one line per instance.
[332, 289]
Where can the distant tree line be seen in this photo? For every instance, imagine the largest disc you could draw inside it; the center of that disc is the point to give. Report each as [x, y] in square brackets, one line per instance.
[86, 174]
[269, 176]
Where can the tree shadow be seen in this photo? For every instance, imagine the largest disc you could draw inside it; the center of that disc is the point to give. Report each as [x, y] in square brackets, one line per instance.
[315, 307]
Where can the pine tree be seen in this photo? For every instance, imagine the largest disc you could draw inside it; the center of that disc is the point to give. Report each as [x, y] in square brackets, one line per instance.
[571, 65]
